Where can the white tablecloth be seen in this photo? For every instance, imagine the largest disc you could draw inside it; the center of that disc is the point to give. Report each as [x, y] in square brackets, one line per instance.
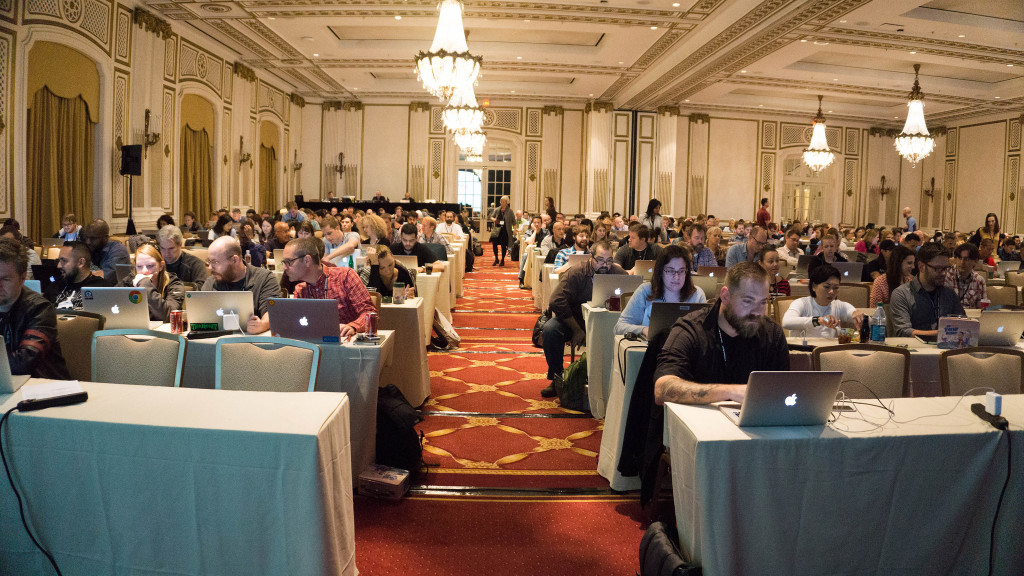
[349, 368]
[600, 324]
[408, 370]
[622, 381]
[426, 288]
[914, 497]
[539, 282]
[159, 481]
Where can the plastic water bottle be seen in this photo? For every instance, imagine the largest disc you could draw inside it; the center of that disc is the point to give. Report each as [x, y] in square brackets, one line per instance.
[248, 257]
[878, 325]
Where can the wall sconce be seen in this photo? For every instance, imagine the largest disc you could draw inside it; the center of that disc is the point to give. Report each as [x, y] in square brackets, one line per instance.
[243, 156]
[149, 138]
[296, 165]
[882, 190]
[2, 125]
[340, 168]
[930, 192]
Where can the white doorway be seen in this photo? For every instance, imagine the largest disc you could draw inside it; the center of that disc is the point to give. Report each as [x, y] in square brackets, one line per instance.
[482, 184]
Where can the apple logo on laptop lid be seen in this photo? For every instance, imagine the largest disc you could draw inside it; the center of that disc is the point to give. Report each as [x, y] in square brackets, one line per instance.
[303, 321]
[115, 309]
[791, 400]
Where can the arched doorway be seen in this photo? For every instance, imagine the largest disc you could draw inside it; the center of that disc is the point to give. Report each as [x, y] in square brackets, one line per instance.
[805, 193]
[481, 184]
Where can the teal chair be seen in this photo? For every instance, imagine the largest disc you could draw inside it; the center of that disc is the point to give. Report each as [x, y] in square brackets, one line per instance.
[142, 357]
[266, 363]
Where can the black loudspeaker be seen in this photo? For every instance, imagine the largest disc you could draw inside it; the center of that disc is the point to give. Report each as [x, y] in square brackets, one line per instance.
[299, 198]
[131, 160]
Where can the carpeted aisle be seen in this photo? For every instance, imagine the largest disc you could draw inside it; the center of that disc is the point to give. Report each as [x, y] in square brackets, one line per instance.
[512, 487]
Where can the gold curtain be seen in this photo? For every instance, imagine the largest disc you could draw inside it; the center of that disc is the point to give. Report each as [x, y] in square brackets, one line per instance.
[196, 173]
[60, 161]
[268, 178]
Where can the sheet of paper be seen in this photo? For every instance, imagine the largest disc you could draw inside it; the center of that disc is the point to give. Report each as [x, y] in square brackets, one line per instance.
[50, 389]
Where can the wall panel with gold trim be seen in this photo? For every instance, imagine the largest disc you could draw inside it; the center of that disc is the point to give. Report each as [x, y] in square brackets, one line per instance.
[120, 133]
[7, 200]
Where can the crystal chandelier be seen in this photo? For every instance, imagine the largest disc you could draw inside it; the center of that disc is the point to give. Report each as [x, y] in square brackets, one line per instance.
[914, 143]
[471, 143]
[448, 66]
[462, 114]
[817, 156]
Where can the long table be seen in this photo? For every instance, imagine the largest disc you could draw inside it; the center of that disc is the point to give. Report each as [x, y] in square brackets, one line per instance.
[351, 368]
[408, 371]
[148, 480]
[626, 360]
[912, 495]
[389, 207]
[600, 327]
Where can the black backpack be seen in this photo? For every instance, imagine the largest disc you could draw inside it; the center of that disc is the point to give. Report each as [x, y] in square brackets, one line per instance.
[398, 443]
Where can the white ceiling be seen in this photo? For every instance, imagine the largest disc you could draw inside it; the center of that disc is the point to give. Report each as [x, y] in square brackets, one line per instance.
[701, 55]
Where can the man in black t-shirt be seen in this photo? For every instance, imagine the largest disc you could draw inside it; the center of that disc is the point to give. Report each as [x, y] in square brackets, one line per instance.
[409, 245]
[74, 263]
[877, 267]
[709, 354]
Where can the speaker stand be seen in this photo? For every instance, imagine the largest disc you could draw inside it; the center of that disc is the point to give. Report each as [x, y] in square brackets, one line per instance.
[130, 230]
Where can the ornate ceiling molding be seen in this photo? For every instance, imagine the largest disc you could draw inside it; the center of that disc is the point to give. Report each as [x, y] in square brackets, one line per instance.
[852, 89]
[921, 45]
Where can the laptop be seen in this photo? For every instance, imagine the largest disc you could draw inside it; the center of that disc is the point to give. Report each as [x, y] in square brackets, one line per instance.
[645, 268]
[850, 271]
[786, 399]
[408, 260]
[1003, 266]
[712, 271]
[279, 258]
[606, 284]
[34, 285]
[51, 243]
[9, 383]
[665, 314]
[206, 309]
[802, 263]
[1001, 328]
[122, 307]
[305, 319]
[578, 260]
[124, 271]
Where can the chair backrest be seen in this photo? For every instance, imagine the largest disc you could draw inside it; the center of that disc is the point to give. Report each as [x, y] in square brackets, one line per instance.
[1014, 277]
[200, 253]
[266, 363]
[857, 294]
[74, 333]
[867, 368]
[143, 357]
[781, 306]
[999, 368]
[1005, 295]
[709, 284]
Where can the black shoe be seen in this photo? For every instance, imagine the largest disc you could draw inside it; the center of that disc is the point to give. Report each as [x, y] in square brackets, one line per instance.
[551, 391]
[495, 262]
[502, 264]
[521, 285]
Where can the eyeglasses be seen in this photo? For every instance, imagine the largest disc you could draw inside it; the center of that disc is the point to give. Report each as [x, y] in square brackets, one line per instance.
[287, 262]
[673, 272]
[939, 269]
[603, 260]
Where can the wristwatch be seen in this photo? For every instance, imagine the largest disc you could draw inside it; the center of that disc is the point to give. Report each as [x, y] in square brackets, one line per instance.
[814, 321]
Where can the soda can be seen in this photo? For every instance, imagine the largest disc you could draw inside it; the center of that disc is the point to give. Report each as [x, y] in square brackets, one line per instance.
[177, 321]
[371, 323]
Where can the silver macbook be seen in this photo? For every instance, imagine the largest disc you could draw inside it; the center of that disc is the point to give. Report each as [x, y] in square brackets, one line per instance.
[305, 319]
[606, 284]
[122, 307]
[849, 271]
[51, 243]
[9, 383]
[712, 271]
[645, 269]
[803, 262]
[786, 399]
[1001, 328]
[578, 259]
[1003, 266]
[206, 309]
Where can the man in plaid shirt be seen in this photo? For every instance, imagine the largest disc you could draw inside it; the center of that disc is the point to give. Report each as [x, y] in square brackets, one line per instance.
[302, 264]
[702, 255]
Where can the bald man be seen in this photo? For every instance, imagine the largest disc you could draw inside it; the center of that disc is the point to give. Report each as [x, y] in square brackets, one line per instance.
[282, 234]
[230, 273]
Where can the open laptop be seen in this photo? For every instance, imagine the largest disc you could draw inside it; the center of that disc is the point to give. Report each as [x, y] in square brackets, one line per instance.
[206, 309]
[802, 263]
[606, 284]
[786, 399]
[712, 271]
[122, 307]
[1003, 266]
[665, 314]
[1001, 328]
[9, 383]
[34, 285]
[309, 320]
[576, 260]
[645, 269]
[124, 271]
[408, 260]
[850, 271]
[279, 258]
[51, 243]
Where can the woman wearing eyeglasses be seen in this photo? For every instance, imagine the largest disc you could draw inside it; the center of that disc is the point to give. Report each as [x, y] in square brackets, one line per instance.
[819, 314]
[670, 282]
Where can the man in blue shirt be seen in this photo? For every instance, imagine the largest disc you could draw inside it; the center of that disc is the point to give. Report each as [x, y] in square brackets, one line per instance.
[747, 251]
[581, 237]
[293, 214]
[911, 221]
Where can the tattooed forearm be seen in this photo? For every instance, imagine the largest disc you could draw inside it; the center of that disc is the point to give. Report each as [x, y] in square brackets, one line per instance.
[674, 389]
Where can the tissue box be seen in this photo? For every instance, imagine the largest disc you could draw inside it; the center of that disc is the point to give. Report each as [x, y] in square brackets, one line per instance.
[384, 482]
[958, 333]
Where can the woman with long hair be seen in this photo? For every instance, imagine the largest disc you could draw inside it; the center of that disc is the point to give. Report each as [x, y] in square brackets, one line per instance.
[382, 271]
[653, 220]
[225, 226]
[899, 271]
[715, 244]
[989, 230]
[670, 282]
[768, 258]
[372, 229]
[868, 242]
[166, 291]
[504, 219]
[248, 239]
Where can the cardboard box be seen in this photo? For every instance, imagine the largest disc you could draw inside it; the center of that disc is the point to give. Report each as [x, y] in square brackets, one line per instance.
[958, 333]
[383, 482]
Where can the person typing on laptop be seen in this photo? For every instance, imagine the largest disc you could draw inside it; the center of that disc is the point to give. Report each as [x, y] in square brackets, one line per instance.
[230, 273]
[671, 283]
[74, 264]
[917, 305]
[709, 355]
[566, 323]
[313, 280]
[28, 323]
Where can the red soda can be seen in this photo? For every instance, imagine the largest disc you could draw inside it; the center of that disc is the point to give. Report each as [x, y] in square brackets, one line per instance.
[371, 323]
[177, 321]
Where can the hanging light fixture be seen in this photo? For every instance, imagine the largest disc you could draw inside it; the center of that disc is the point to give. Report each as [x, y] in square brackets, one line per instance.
[471, 143]
[817, 156]
[462, 113]
[914, 143]
[448, 66]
